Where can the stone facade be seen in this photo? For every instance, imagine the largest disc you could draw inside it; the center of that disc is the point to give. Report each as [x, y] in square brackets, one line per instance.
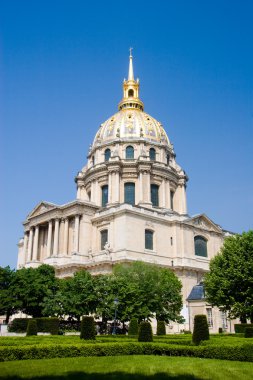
[131, 205]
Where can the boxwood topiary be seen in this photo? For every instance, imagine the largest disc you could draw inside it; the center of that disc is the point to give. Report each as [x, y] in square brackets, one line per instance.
[240, 327]
[145, 332]
[32, 328]
[88, 331]
[248, 332]
[133, 327]
[161, 328]
[200, 331]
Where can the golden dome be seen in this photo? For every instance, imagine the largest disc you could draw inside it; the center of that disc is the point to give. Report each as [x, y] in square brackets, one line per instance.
[131, 122]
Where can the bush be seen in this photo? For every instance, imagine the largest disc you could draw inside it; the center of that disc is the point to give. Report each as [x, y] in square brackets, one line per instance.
[220, 330]
[161, 328]
[236, 352]
[248, 332]
[88, 328]
[32, 327]
[240, 327]
[48, 325]
[18, 325]
[145, 332]
[200, 331]
[133, 327]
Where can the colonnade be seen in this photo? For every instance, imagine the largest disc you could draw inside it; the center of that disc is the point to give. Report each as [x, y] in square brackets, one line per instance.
[51, 235]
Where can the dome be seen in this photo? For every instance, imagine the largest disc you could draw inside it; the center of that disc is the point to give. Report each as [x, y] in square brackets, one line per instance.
[131, 124]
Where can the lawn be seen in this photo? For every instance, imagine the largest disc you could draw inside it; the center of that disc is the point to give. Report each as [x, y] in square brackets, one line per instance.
[126, 368]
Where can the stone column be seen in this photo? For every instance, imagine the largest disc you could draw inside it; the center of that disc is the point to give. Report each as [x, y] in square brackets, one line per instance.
[56, 237]
[25, 247]
[116, 184]
[76, 238]
[30, 245]
[49, 238]
[110, 188]
[35, 243]
[140, 186]
[162, 194]
[66, 236]
[167, 194]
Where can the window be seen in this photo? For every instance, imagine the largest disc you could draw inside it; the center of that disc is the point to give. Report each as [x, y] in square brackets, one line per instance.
[107, 154]
[104, 238]
[152, 154]
[171, 241]
[130, 93]
[224, 322]
[104, 195]
[200, 244]
[129, 188]
[129, 152]
[154, 195]
[149, 239]
[168, 159]
[209, 317]
[172, 200]
[93, 160]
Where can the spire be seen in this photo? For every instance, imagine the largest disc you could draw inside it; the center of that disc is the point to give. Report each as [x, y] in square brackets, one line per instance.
[131, 69]
[131, 90]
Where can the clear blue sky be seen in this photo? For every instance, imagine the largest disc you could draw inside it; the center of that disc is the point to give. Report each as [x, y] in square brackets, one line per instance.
[61, 71]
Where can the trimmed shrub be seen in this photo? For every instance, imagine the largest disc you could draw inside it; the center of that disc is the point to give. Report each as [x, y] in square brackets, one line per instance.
[248, 332]
[88, 328]
[48, 325]
[200, 331]
[220, 330]
[32, 327]
[18, 325]
[161, 328]
[240, 327]
[235, 352]
[133, 327]
[145, 332]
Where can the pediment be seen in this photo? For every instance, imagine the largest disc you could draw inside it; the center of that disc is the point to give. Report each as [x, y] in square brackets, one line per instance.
[41, 208]
[203, 222]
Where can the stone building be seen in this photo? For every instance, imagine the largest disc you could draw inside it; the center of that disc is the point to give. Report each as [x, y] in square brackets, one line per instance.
[130, 205]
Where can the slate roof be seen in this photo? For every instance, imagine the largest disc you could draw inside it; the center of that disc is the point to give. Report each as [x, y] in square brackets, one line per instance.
[197, 293]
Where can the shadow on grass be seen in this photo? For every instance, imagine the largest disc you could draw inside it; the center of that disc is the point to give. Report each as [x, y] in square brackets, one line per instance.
[109, 376]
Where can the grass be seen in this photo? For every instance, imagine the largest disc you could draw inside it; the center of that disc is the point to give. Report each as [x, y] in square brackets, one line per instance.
[126, 368]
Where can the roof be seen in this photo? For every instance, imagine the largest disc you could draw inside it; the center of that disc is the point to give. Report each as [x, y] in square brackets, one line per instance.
[197, 293]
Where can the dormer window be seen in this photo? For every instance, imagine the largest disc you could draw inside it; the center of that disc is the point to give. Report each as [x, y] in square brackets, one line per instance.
[152, 154]
[130, 93]
[107, 154]
[129, 152]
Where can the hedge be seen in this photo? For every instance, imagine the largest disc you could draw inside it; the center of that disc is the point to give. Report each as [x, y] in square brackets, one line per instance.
[133, 327]
[200, 329]
[248, 332]
[241, 353]
[145, 332]
[32, 327]
[161, 328]
[88, 328]
[240, 327]
[51, 325]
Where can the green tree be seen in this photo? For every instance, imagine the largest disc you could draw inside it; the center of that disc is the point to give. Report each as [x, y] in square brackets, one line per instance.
[229, 284]
[145, 291]
[9, 305]
[78, 297]
[31, 286]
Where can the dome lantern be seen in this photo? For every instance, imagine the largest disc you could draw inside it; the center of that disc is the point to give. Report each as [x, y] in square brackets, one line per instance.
[131, 90]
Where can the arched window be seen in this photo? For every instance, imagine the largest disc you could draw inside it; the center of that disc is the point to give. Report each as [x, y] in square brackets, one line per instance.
[104, 195]
[93, 160]
[129, 190]
[168, 159]
[200, 244]
[103, 238]
[130, 93]
[107, 154]
[172, 200]
[149, 239]
[129, 152]
[152, 154]
[154, 190]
